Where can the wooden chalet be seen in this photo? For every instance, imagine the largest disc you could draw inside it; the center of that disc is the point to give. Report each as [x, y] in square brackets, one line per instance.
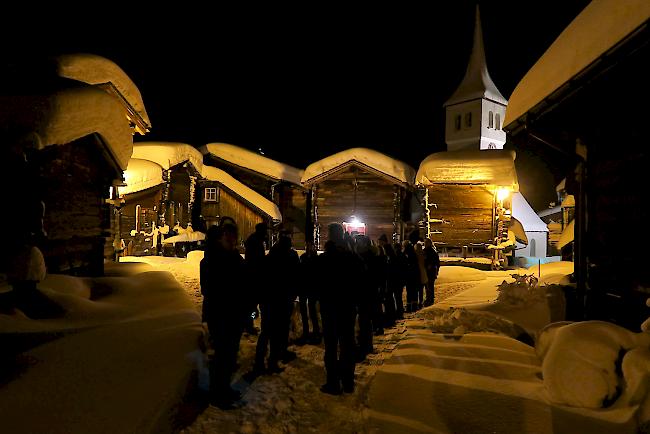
[468, 199]
[365, 190]
[161, 189]
[276, 181]
[63, 147]
[582, 108]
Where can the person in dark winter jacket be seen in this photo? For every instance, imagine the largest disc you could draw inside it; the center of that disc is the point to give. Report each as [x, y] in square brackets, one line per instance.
[393, 280]
[432, 266]
[282, 268]
[308, 296]
[224, 307]
[413, 278]
[398, 281]
[254, 255]
[338, 269]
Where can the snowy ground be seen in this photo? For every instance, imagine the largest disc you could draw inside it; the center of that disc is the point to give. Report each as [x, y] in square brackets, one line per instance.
[398, 387]
[291, 401]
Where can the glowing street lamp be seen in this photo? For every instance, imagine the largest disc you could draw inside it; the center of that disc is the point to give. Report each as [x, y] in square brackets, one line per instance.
[502, 193]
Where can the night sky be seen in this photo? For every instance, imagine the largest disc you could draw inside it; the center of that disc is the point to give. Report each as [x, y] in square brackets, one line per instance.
[302, 84]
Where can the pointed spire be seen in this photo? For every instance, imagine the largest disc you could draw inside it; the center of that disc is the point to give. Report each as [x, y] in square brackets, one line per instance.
[477, 82]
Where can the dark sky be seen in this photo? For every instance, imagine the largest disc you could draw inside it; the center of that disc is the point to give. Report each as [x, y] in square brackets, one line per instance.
[302, 84]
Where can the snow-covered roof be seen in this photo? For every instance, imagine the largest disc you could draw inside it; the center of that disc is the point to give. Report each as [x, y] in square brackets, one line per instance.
[375, 160]
[561, 186]
[69, 114]
[251, 196]
[141, 175]
[598, 28]
[550, 211]
[250, 160]
[522, 211]
[567, 236]
[93, 69]
[492, 167]
[477, 83]
[168, 154]
[569, 201]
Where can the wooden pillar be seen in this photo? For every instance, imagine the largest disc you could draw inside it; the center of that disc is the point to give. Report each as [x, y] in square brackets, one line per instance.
[309, 223]
[316, 232]
[397, 213]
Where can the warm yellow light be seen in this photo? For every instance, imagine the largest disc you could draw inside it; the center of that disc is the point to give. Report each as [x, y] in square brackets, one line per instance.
[502, 193]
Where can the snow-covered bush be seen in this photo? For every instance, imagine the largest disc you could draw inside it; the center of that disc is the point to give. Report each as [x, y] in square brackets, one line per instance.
[523, 291]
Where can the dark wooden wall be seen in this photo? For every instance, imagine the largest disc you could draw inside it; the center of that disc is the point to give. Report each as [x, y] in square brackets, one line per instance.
[466, 212]
[335, 203]
[76, 178]
[231, 206]
[178, 206]
[292, 202]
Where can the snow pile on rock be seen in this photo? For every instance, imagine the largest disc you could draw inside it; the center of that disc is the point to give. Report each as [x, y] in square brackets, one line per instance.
[596, 364]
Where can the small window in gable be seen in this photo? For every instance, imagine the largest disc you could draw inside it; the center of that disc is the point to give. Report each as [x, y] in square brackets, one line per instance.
[497, 122]
[491, 120]
[211, 194]
[457, 122]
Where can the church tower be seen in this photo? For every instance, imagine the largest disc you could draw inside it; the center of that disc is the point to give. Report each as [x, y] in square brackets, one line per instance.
[475, 112]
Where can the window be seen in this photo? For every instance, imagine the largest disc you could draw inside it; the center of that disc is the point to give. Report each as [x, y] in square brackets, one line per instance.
[497, 123]
[457, 122]
[491, 120]
[468, 120]
[211, 194]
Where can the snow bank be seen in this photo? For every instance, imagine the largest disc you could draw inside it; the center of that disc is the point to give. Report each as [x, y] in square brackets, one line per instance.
[371, 158]
[67, 115]
[93, 69]
[492, 167]
[168, 154]
[141, 175]
[249, 195]
[119, 360]
[553, 272]
[250, 160]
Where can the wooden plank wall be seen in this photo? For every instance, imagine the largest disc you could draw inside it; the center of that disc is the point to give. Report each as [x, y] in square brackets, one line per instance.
[231, 206]
[466, 212]
[293, 207]
[374, 202]
[76, 180]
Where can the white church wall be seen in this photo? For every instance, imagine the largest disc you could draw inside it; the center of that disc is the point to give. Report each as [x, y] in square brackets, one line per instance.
[492, 134]
[536, 247]
[467, 136]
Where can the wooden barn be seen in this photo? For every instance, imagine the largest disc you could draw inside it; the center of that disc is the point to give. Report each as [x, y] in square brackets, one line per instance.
[63, 147]
[161, 190]
[365, 190]
[222, 195]
[468, 199]
[582, 107]
[276, 181]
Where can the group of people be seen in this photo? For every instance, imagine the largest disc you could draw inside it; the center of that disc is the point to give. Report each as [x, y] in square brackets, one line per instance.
[352, 281]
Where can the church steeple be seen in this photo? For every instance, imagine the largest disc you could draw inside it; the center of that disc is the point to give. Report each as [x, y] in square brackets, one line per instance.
[475, 110]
